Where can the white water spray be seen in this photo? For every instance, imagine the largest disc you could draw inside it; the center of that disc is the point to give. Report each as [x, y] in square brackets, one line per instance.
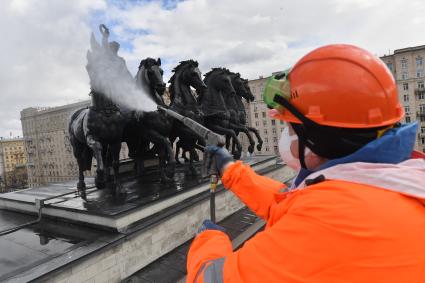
[109, 75]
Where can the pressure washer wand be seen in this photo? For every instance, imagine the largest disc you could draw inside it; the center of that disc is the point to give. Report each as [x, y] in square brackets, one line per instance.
[210, 138]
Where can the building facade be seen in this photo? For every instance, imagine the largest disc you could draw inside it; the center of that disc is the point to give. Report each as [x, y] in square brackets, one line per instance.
[257, 117]
[13, 162]
[407, 66]
[49, 152]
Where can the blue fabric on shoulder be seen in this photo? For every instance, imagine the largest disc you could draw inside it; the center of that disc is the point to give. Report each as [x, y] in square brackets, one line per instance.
[395, 146]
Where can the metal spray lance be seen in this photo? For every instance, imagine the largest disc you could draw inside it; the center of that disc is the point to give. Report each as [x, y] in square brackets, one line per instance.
[210, 138]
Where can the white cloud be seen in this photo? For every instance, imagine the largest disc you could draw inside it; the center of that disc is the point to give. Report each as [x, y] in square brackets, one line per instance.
[257, 38]
[45, 42]
[42, 55]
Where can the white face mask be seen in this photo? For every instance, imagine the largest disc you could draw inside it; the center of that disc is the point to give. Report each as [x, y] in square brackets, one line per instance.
[285, 142]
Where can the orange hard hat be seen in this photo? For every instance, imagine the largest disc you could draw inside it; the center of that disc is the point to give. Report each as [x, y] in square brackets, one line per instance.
[337, 85]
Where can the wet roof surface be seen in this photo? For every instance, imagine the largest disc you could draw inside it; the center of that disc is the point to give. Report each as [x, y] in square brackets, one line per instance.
[38, 243]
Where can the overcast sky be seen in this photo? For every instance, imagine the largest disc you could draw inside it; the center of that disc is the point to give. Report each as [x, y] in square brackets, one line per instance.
[44, 42]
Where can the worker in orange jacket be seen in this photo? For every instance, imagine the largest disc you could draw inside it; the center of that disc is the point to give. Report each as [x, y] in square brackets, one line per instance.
[355, 212]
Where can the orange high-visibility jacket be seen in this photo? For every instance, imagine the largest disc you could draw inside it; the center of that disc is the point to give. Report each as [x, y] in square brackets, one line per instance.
[338, 230]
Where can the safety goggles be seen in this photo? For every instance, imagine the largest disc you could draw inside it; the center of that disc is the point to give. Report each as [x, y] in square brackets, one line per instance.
[277, 85]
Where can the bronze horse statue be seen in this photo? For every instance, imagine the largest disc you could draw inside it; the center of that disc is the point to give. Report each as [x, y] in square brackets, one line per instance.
[149, 80]
[184, 102]
[238, 113]
[144, 128]
[217, 116]
[97, 130]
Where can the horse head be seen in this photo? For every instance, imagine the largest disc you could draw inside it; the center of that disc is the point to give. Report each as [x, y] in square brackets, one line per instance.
[239, 86]
[189, 74]
[153, 74]
[220, 79]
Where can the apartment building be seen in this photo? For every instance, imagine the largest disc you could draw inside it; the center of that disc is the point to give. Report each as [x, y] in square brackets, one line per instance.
[407, 66]
[13, 163]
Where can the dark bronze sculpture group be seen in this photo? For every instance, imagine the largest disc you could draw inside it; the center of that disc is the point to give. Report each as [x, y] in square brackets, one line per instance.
[99, 129]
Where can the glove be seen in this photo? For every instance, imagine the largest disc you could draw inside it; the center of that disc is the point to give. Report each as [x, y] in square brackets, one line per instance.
[209, 225]
[215, 159]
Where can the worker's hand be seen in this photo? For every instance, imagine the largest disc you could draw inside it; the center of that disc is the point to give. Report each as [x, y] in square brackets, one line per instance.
[209, 225]
[215, 160]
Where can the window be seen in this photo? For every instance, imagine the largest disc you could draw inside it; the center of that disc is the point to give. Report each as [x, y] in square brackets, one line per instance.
[264, 114]
[274, 139]
[266, 139]
[422, 108]
[273, 122]
[421, 84]
[274, 130]
[422, 130]
[421, 95]
[256, 115]
[407, 119]
[423, 140]
[265, 131]
[419, 73]
[419, 62]
[407, 109]
[256, 123]
[267, 148]
[404, 63]
[390, 66]
[404, 76]
[264, 122]
[405, 86]
[406, 97]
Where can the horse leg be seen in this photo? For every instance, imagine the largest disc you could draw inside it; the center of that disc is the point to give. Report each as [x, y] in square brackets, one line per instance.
[192, 168]
[139, 159]
[167, 170]
[81, 185]
[79, 151]
[178, 147]
[228, 142]
[115, 156]
[224, 131]
[257, 135]
[195, 154]
[107, 159]
[234, 144]
[243, 129]
[97, 149]
[186, 160]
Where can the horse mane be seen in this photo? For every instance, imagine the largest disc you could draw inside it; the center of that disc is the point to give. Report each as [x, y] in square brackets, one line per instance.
[217, 70]
[149, 60]
[180, 66]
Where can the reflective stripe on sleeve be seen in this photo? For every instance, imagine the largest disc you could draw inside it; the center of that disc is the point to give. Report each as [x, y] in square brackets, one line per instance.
[212, 271]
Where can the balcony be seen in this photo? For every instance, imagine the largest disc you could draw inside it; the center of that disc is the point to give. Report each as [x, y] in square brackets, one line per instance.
[420, 91]
[420, 114]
